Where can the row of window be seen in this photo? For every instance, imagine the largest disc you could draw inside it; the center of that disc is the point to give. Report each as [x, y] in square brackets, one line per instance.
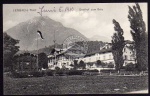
[98, 58]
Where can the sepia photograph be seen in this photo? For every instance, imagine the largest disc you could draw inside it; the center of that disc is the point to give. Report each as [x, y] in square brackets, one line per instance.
[75, 48]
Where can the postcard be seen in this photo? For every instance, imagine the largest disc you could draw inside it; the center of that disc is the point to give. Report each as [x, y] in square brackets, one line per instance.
[75, 48]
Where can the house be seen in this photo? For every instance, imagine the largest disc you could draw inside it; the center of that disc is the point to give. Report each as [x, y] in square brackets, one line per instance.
[60, 59]
[129, 54]
[25, 61]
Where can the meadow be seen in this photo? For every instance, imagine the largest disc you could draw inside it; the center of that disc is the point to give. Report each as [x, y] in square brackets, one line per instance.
[76, 84]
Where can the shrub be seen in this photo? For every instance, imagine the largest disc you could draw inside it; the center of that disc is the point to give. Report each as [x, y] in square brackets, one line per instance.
[57, 68]
[91, 72]
[25, 74]
[49, 72]
[95, 70]
[37, 73]
[20, 74]
[60, 72]
[107, 71]
[75, 72]
[130, 67]
[110, 65]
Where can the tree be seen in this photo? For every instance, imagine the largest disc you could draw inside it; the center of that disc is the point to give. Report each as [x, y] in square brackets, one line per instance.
[57, 68]
[118, 45]
[99, 63]
[9, 49]
[110, 65]
[138, 32]
[103, 64]
[82, 64]
[75, 64]
[130, 67]
[42, 60]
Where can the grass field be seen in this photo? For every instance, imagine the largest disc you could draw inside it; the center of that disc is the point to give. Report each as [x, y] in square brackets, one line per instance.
[74, 85]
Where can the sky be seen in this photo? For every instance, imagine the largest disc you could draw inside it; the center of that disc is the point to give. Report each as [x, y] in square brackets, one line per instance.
[79, 16]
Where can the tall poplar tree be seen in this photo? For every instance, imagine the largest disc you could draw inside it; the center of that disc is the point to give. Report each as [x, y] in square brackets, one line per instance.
[138, 32]
[118, 45]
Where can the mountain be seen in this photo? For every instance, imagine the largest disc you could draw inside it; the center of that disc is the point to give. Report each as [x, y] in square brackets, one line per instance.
[100, 38]
[26, 32]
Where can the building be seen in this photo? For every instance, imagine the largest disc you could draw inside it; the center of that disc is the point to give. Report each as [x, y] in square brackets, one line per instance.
[105, 55]
[60, 59]
[25, 61]
[129, 54]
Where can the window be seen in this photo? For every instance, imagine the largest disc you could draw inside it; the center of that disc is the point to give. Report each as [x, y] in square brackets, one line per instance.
[131, 58]
[104, 57]
[96, 58]
[89, 59]
[109, 56]
[125, 57]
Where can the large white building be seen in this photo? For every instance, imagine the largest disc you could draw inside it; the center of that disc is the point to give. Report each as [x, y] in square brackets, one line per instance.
[105, 55]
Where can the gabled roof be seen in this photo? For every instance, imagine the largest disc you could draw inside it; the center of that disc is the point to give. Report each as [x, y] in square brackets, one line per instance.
[22, 52]
[129, 42]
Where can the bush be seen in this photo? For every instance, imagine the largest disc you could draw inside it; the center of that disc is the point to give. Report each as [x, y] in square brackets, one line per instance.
[57, 68]
[60, 72]
[91, 72]
[108, 71]
[49, 72]
[110, 65]
[37, 73]
[20, 74]
[130, 67]
[75, 72]
[95, 70]
[26, 74]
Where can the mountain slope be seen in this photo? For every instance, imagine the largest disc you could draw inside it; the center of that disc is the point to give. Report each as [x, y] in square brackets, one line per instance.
[100, 38]
[26, 32]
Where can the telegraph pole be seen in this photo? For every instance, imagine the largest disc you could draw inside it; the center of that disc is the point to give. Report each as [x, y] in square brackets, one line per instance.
[54, 46]
[37, 53]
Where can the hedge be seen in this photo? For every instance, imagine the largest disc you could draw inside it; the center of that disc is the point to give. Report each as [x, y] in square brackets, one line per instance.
[75, 72]
[108, 71]
[26, 74]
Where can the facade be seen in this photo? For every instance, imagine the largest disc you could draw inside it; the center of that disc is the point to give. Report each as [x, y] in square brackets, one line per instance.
[129, 54]
[60, 60]
[64, 57]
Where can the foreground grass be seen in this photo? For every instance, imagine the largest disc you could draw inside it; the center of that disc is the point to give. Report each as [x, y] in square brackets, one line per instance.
[74, 85]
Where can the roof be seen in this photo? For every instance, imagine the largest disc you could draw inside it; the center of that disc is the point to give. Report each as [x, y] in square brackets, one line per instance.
[129, 42]
[25, 52]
